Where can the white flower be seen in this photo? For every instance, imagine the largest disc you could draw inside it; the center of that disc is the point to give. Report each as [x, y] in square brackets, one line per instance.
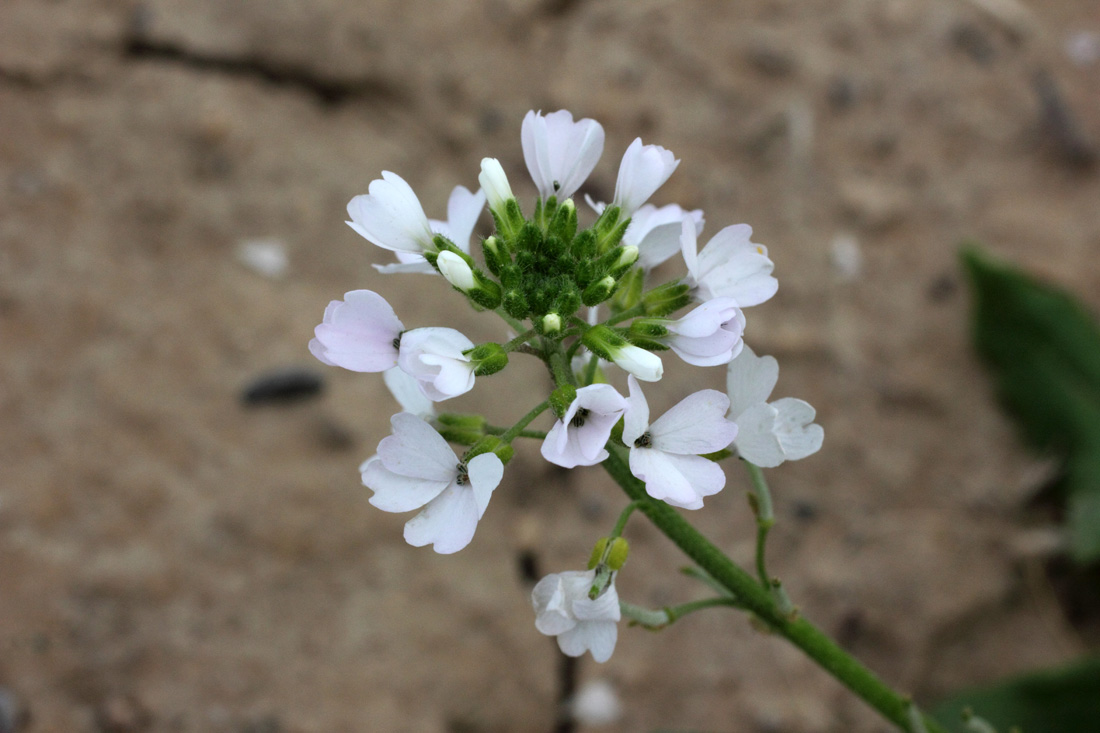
[645, 365]
[455, 270]
[578, 438]
[710, 334]
[643, 170]
[495, 184]
[665, 455]
[656, 232]
[360, 333]
[596, 703]
[768, 433]
[434, 357]
[416, 468]
[563, 609]
[391, 216]
[463, 210]
[406, 390]
[560, 153]
[730, 265]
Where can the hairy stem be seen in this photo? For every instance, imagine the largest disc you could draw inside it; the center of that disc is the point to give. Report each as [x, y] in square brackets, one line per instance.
[758, 601]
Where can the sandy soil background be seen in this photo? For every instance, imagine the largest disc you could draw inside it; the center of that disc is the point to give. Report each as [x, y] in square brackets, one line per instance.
[171, 560]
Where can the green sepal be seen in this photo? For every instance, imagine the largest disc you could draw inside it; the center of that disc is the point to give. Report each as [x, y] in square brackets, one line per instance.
[629, 292]
[466, 421]
[561, 398]
[564, 223]
[597, 553]
[488, 358]
[459, 436]
[442, 244]
[617, 554]
[487, 444]
[515, 305]
[647, 343]
[584, 245]
[529, 238]
[646, 328]
[486, 292]
[601, 340]
[568, 300]
[495, 254]
[666, 299]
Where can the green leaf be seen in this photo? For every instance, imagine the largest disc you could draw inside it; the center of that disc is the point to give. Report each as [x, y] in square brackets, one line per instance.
[1064, 700]
[1043, 348]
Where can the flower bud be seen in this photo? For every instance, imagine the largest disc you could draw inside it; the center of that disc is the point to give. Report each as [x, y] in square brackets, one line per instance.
[550, 324]
[490, 444]
[617, 554]
[496, 256]
[515, 304]
[628, 255]
[629, 292]
[599, 291]
[564, 223]
[495, 183]
[647, 328]
[474, 423]
[487, 358]
[610, 345]
[455, 270]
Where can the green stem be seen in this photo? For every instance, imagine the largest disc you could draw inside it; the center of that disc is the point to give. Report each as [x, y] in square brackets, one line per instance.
[519, 340]
[750, 596]
[638, 310]
[517, 326]
[655, 619]
[590, 369]
[511, 433]
[498, 430]
[765, 519]
[620, 525]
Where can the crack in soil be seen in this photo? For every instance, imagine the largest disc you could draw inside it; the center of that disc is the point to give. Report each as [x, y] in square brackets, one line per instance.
[328, 92]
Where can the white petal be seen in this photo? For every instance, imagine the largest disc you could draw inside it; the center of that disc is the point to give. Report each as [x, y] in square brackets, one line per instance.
[463, 211]
[656, 232]
[434, 357]
[553, 610]
[696, 424]
[636, 418]
[705, 319]
[598, 637]
[750, 380]
[604, 608]
[448, 522]
[406, 391]
[756, 440]
[643, 170]
[485, 472]
[645, 365]
[665, 481]
[421, 267]
[731, 265]
[391, 216]
[798, 437]
[689, 247]
[455, 271]
[560, 151]
[358, 333]
[495, 184]
[416, 449]
[396, 493]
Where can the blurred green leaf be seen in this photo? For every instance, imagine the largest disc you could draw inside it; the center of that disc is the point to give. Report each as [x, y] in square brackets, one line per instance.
[1065, 700]
[1043, 348]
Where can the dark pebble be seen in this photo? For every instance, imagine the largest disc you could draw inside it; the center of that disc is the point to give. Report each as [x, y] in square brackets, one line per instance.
[283, 386]
[804, 511]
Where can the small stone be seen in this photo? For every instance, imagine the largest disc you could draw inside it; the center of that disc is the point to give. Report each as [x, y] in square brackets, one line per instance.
[596, 703]
[874, 205]
[283, 386]
[846, 256]
[122, 714]
[267, 257]
[14, 715]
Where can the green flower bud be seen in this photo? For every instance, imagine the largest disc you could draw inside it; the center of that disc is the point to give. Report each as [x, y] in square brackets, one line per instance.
[488, 358]
[474, 423]
[564, 223]
[561, 398]
[584, 245]
[666, 299]
[487, 444]
[529, 239]
[597, 553]
[602, 341]
[616, 556]
[496, 256]
[629, 292]
[646, 328]
[599, 291]
[628, 255]
[550, 324]
[515, 305]
[459, 436]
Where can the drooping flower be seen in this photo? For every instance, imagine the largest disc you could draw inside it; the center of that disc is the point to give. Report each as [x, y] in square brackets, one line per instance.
[560, 153]
[666, 454]
[455, 271]
[391, 216]
[656, 232]
[579, 437]
[610, 345]
[463, 210]
[360, 333]
[433, 356]
[730, 265]
[768, 433]
[416, 468]
[563, 609]
[643, 170]
[406, 390]
[710, 334]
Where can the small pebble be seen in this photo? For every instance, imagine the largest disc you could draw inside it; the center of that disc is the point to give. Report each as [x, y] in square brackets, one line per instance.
[596, 703]
[14, 715]
[283, 387]
[846, 256]
[267, 257]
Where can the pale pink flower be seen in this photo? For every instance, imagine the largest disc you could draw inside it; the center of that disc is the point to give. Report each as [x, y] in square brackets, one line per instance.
[730, 265]
[643, 170]
[579, 437]
[391, 216]
[656, 232]
[560, 153]
[360, 333]
[434, 357]
[710, 334]
[463, 210]
[666, 454]
[416, 468]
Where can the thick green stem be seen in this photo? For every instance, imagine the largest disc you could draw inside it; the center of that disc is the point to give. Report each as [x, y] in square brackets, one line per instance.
[757, 600]
[655, 619]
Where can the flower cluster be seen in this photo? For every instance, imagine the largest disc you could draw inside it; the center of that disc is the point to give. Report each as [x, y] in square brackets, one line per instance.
[537, 273]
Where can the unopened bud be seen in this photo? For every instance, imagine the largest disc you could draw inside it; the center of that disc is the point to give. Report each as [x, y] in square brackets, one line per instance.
[495, 184]
[495, 255]
[628, 255]
[455, 270]
[666, 299]
[599, 291]
[616, 555]
[551, 324]
[561, 398]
